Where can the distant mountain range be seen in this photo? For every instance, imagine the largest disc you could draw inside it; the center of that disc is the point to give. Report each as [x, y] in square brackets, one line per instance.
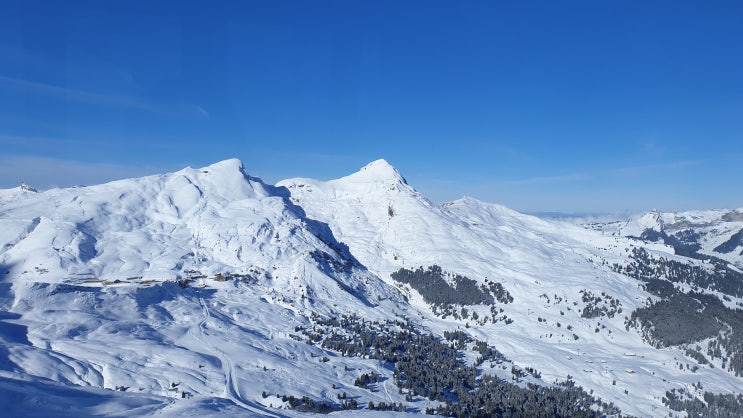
[208, 292]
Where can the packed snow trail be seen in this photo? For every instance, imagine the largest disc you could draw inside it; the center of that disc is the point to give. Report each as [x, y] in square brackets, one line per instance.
[231, 389]
[384, 385]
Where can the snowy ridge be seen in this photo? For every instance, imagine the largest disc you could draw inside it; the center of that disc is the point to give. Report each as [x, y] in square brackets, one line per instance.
[211, 219]
[711, 232]
[106, 258]
[544, 265]
[375, 172]
[17, 193]
[183, 293]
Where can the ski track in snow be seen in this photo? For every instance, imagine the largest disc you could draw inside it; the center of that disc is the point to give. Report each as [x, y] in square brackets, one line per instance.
[231, 388]
[384, 384]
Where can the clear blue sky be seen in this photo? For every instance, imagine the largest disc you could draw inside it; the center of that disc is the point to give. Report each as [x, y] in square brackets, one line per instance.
[596, 106]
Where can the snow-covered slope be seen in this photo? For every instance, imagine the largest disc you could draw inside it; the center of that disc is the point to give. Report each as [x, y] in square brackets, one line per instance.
[190, 282]
[547, 266]
[717, 233]
[196, 293]
[191, 223]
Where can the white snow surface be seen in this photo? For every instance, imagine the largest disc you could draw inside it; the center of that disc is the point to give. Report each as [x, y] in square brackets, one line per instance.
[708, 228]
[89, 298]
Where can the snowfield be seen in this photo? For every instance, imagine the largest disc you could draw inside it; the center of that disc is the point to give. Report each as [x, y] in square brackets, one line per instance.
[184, 294]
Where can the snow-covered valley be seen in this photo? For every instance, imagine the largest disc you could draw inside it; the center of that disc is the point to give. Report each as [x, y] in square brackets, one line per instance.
[206, 292]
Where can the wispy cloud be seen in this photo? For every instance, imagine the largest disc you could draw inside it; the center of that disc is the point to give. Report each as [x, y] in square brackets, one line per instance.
[642, 169]
[44, 142]
[76, 94]
[92, 140]
[617, 171]
[45, 173]
[529, 192]
[328, 156]
[201, 111]
[567, 178]
[100, 99]
[652, 147]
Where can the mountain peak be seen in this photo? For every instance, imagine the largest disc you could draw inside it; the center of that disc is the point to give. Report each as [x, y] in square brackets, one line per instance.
[229, 179]
[231, 168]
[379, 170]
[26, 188]
[226, 166]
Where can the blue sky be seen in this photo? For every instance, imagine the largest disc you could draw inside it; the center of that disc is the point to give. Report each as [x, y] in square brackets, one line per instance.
[541, 106]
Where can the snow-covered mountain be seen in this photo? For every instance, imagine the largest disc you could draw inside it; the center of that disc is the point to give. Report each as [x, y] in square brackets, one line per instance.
[716, 233]
[206, 291]
[189, 282]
